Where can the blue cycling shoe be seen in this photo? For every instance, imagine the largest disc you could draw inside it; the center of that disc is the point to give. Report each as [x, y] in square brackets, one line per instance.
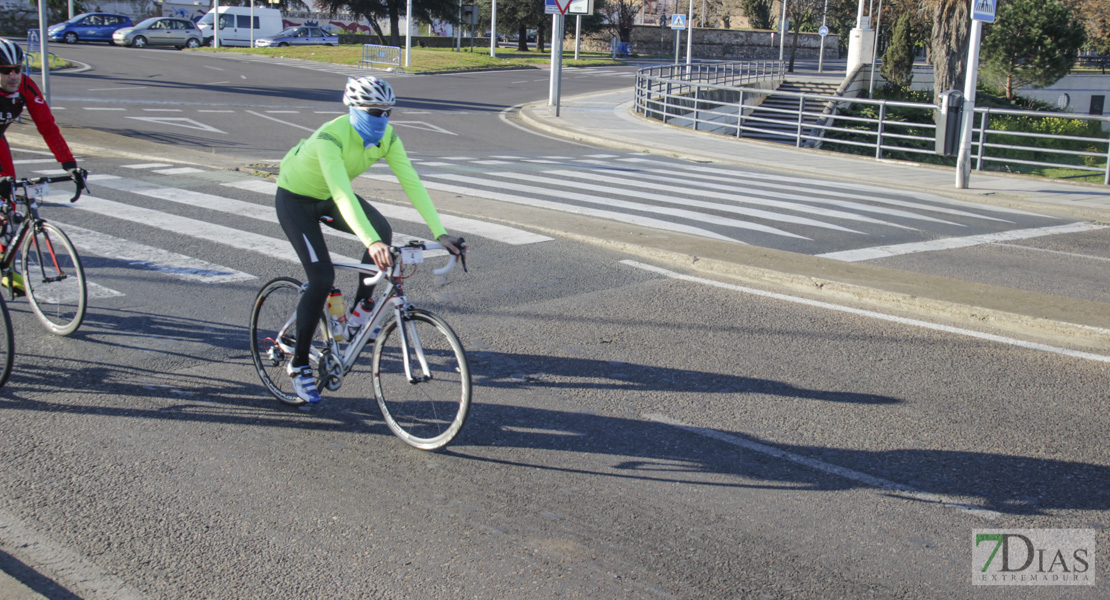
[304, 384]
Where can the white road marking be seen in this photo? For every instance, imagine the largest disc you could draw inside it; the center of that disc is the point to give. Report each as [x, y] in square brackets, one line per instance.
[179, 122]
[279, 248]
[870, 192]
[824, 467]
[958, 242]
[568, 208]
[610, 202]
[148, 166]
[152, 258]
[178, 171]
[301, 127]
[679, 195]
[875, 315]
[456, 225]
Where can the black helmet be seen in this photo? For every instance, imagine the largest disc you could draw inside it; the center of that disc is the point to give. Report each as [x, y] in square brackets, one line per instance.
[10, 53]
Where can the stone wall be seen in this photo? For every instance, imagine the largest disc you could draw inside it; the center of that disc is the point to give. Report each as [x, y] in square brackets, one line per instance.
[723, 44]
[418, 41]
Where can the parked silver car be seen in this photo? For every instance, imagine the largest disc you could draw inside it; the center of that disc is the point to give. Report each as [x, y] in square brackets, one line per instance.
[299, 36]
[160, 31]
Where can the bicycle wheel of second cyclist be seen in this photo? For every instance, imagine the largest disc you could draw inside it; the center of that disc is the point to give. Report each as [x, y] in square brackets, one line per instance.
[53, 279]
[429, 410]
[274, 311]
[7, 344]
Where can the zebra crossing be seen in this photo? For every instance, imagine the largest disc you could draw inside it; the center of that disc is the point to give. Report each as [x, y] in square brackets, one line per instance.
[720, 203]
[112, 192]
[841, 221]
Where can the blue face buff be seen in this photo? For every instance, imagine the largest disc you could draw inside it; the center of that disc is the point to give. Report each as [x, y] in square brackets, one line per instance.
[370, 128]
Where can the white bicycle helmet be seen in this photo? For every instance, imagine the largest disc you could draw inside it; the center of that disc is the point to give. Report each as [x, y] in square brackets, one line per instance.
[367, 93]
[11, 54]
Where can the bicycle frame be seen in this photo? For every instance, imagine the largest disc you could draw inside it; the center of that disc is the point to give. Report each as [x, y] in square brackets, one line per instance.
[392, 298]
[29, 194]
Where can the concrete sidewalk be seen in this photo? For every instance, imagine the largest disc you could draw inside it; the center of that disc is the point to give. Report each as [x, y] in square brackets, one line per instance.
[604, 119]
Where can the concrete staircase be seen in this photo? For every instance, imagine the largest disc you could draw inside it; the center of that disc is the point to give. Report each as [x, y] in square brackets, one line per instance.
[778, 114]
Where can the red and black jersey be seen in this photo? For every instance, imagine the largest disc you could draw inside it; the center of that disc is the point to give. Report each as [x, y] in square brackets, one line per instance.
[11, 106]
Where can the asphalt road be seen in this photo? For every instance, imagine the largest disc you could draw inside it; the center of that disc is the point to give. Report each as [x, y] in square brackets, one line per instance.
[638, 432]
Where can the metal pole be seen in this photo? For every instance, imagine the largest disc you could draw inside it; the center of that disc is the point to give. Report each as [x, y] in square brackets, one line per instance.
[458, 30]
[408, 33]
[216, 23]
[677, 33]
[577, 34]
[782, 32]
[821, 55]
[689, 35]
[875, 50]
[963, 159]
[70, 9]
[493, 29]
[44, 52]
[252, 23]
[552, 96]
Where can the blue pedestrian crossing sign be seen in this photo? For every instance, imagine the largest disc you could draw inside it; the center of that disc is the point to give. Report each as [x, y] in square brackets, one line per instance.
[678, 21]
[983, 10]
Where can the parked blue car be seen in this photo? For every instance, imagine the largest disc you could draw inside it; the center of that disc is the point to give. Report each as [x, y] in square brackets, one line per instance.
[88, 27]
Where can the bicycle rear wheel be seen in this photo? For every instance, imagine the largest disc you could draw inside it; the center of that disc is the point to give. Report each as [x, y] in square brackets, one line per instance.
[273, 336]
[7, 344]
[53, 278]
[428, 410]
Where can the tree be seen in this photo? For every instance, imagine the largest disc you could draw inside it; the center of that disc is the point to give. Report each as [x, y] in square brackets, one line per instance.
[1096, 19]
[1032, 42]
[758, 13]
[520, 16]
[803, 14]
[393, 10]
[948, 43]
[898, 60]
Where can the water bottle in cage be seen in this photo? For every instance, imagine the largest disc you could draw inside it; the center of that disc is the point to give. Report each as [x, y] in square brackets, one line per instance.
[337, 315]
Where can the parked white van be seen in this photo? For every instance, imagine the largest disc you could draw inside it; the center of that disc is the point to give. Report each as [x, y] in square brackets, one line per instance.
[236, 27]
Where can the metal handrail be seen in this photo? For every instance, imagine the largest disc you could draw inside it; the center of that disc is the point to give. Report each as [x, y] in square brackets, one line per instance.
[723, 98]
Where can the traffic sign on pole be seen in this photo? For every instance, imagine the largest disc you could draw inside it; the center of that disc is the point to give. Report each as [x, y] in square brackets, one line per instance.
[563, 5]
[983, 10]
[678, 21]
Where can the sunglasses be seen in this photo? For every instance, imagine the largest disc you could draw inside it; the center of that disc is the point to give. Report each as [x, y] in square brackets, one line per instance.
[377, 112]
[10, 70]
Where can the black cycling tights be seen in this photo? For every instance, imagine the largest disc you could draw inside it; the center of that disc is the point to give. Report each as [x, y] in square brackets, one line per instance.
[300, 219]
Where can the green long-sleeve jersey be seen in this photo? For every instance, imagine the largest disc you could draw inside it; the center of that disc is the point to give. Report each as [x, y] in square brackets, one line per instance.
[324, 165]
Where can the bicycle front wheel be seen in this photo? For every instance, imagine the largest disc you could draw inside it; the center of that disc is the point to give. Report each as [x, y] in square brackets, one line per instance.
[422, 380]
[273, 336]
[7, 344]
[53, 279]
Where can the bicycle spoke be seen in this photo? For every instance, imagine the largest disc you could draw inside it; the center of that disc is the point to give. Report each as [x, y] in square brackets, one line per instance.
[422, 381]
[273, 336]
[53, 279]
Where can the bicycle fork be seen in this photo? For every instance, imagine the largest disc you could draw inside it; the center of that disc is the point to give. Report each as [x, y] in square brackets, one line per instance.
[411, 348]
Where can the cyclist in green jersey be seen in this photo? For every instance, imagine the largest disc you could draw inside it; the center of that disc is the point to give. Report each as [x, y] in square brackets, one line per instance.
[314, 184]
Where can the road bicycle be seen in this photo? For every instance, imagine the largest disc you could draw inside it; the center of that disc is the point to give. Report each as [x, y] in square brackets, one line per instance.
[7, 344]
[48, 266]
[418, 366]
